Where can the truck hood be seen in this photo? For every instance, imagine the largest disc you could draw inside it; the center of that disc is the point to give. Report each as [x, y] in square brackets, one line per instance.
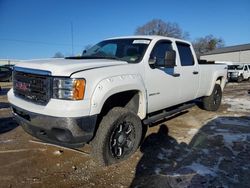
[66, 67]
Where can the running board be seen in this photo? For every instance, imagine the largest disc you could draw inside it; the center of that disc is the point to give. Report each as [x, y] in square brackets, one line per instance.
[166, 113]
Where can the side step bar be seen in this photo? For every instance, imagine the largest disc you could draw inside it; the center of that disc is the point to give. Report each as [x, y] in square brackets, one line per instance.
[166, 113]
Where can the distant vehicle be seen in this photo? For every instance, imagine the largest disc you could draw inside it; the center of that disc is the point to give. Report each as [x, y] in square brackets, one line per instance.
[5, 74]
[239, 72]
[9, 65]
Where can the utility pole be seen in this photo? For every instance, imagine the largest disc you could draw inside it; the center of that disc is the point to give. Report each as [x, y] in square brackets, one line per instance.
[72, 38]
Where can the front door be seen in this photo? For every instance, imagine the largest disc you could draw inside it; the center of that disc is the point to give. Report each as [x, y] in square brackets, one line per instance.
[246, 72]
[162, 83]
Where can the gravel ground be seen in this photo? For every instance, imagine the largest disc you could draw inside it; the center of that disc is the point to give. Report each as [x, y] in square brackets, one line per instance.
[194, 149]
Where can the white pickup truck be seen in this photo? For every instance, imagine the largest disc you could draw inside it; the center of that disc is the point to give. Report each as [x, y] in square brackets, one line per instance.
[239, 72]
[108, 94]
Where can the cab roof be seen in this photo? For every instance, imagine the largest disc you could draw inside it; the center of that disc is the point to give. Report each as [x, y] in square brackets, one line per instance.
[151, 37]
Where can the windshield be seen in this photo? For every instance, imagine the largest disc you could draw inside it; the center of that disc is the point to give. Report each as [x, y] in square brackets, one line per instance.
[130, 50]
[235, 67]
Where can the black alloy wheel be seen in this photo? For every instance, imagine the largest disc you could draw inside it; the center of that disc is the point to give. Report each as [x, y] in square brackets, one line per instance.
[117, 137]
[122, 140]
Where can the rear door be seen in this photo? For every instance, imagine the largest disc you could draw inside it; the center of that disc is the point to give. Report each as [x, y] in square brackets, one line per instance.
[246, 72]
[189, 72]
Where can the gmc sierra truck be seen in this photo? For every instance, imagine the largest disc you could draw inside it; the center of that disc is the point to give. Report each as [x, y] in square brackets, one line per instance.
[108, 94]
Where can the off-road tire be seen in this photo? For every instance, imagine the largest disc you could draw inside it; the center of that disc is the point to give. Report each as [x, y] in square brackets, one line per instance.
[109, 143]
[240, 78]
[212, 102]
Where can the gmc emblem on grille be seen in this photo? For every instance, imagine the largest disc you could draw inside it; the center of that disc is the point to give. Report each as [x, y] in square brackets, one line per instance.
[22, 86]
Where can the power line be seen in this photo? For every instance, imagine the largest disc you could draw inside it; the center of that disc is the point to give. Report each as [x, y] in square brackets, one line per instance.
[38, 42]
[72, 38]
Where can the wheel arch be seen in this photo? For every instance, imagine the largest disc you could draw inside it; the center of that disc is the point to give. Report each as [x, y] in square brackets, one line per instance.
[220, 80]
[127, 91]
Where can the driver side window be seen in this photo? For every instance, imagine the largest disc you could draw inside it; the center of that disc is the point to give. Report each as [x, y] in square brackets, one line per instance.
[159, 51]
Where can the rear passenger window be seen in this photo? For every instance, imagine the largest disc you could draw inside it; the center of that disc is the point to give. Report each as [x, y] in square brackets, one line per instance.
[185, 53]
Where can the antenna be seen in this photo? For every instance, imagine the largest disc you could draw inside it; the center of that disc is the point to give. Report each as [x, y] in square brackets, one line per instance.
[72, 38]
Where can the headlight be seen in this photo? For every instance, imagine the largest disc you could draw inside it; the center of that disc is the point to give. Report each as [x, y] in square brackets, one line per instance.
[68, 88]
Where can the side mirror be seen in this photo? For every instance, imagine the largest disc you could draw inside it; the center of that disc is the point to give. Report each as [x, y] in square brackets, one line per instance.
[152, 61]
[170, 57]
[84, 52]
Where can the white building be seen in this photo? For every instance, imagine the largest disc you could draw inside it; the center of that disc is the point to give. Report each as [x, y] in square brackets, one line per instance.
[239, 54]
[9, 62]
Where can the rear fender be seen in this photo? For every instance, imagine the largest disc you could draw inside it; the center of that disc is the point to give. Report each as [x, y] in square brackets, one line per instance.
[217, 79]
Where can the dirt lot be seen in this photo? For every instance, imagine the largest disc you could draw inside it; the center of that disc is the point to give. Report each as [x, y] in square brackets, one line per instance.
[195, 149]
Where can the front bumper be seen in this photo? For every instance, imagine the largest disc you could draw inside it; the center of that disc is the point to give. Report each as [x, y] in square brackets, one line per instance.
[232, 76]
[66, 131]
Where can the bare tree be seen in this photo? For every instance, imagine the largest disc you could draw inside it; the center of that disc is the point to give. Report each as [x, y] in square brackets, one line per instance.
[208, 43]
[159, 27]
[58, 55]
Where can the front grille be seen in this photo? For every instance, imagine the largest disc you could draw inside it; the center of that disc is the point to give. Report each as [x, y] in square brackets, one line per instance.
[32, 87]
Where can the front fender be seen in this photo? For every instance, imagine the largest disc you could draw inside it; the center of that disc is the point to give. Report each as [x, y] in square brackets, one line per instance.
[116, 84]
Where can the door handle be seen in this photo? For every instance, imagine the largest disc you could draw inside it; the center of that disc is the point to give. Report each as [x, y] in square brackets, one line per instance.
[176, 75]
[195, 72]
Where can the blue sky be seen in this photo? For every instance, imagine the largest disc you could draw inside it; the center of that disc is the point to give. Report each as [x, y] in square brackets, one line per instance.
[40, 28]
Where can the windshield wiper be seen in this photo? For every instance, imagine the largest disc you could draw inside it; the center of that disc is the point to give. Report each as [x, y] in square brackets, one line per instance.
[111, 57]
[80, 57]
